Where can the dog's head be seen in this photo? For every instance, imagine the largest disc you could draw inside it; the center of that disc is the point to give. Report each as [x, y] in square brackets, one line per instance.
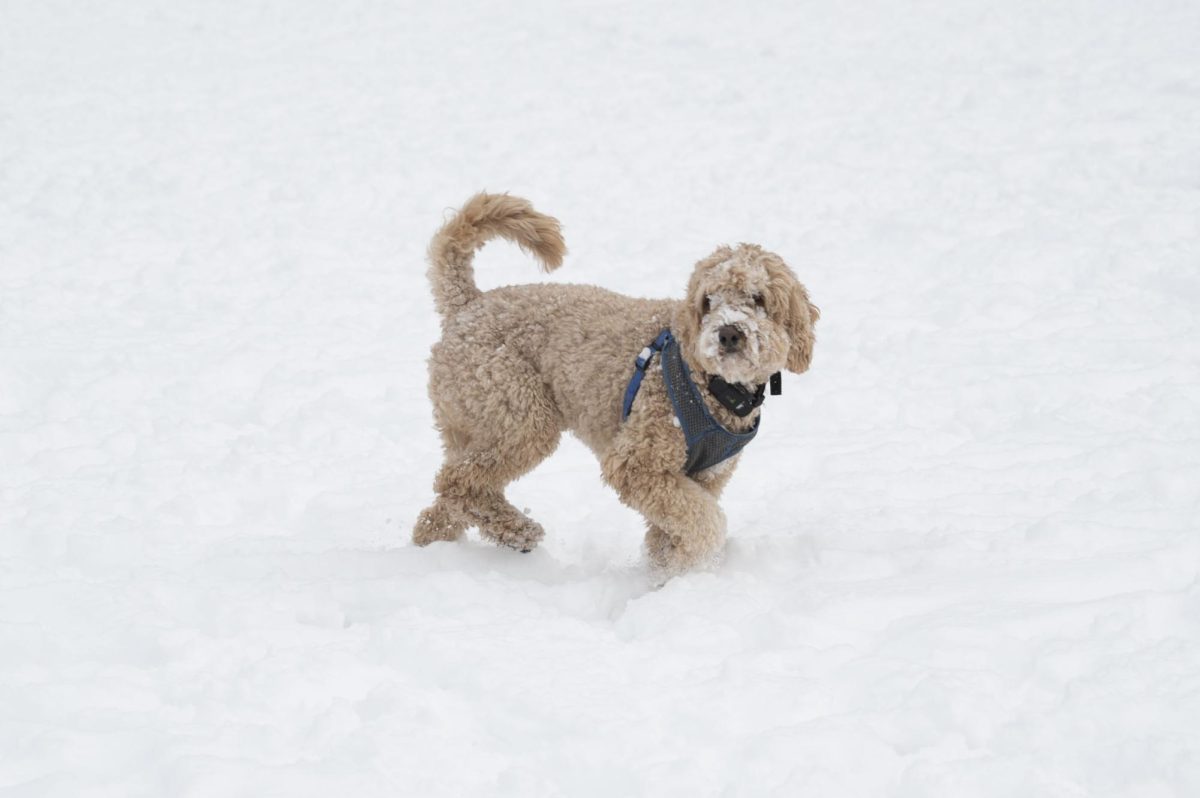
[746, 316]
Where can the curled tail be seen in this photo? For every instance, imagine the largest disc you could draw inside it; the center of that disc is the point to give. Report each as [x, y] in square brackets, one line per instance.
[484, 217]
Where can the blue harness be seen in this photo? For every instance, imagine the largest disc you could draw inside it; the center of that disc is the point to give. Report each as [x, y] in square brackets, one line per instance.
[708, 443]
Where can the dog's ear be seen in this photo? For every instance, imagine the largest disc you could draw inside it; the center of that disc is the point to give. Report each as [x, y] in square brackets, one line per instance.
[802, 316]
[687, 319]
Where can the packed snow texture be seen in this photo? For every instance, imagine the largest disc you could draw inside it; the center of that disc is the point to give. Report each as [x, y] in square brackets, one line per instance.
[963, 554]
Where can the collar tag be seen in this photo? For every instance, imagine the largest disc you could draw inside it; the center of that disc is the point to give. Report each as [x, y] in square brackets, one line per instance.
[776, 384]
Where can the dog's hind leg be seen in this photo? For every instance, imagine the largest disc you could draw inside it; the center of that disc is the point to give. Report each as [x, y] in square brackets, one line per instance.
[470, 489]
[439, 521]
[473, 485]
[482, 458]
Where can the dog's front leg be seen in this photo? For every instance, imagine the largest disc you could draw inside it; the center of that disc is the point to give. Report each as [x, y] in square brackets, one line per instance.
[686, 525]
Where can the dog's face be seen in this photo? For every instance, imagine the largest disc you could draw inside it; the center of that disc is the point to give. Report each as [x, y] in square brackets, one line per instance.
[746, 316]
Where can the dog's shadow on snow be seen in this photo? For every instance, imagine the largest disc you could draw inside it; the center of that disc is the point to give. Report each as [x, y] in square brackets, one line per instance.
[602, 588]
[590, 584]
[594, 588]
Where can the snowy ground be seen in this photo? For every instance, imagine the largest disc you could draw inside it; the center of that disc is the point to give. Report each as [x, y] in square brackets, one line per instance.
[964, 557]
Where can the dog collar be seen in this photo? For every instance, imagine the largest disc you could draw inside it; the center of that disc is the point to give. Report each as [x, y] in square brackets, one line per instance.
[708, 443]
[736, 398]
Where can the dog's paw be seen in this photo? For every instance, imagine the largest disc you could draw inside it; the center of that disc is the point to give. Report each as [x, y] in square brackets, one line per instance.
[523, 537]
[436, 523]
[659, 547]
[671, 556]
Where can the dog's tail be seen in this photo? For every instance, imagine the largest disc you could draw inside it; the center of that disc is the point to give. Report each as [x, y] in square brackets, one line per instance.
[484, 217]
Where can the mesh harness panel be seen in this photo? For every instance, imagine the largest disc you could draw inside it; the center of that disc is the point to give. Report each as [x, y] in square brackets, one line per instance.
[708, 443]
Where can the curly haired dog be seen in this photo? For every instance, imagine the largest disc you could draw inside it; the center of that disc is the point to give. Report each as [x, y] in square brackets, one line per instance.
[518, 365]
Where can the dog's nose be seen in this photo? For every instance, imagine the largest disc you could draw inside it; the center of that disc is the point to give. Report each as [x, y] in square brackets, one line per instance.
[730, 337]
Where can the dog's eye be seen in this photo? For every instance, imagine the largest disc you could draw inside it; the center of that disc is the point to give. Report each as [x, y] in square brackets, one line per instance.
[758, 300]
[705, 305]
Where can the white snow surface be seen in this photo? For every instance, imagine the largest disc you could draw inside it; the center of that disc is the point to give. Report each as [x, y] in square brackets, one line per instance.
[963, 554]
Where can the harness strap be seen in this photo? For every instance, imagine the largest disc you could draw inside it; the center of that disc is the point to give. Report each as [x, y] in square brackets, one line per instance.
[708, 443]
[639, 372]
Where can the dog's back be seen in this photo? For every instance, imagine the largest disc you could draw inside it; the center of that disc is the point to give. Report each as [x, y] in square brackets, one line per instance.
[579, 340]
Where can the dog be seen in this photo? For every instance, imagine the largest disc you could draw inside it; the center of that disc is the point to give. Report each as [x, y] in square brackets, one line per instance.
[518, 365]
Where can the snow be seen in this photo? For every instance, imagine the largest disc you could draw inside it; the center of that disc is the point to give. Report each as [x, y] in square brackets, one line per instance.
[963, 553]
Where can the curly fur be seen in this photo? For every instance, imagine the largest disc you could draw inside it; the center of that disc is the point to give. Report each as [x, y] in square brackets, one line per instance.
[518, 365]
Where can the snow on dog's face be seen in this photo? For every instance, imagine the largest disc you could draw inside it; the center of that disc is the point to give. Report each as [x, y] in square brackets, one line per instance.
[746, 316]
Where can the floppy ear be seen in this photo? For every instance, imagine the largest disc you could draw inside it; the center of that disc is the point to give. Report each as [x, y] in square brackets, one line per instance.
[686, 323]
[687, 319]
[802, 315]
